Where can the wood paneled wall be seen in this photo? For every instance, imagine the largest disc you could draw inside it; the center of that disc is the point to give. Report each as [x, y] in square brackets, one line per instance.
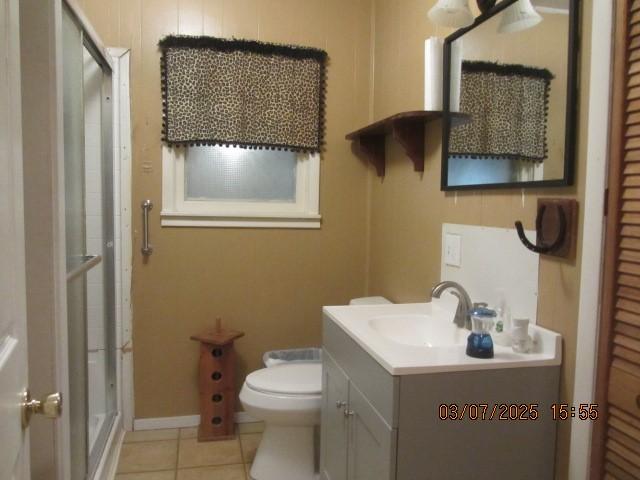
[269, 283]
[272, 283]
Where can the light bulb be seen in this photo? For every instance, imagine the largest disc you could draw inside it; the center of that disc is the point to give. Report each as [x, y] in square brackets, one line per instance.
[451, 13]
[519, 16]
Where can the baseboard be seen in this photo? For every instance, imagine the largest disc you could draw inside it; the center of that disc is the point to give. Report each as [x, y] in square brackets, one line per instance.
[244, 417]
[166, 422]
[182, 422]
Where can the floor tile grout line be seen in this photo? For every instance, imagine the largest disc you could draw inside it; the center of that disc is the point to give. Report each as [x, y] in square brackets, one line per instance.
[142, 471]
[209, 465]
[137, 444]
[129, 441]
[242, 450]
[199, 467]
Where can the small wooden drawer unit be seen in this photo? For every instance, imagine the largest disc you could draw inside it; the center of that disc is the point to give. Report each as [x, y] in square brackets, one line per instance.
[217, 383]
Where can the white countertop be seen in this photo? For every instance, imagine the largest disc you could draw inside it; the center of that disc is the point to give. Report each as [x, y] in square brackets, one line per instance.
[403, 359]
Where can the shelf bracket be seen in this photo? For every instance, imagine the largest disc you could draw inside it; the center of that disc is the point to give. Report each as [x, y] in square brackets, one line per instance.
[372, 147]
[410, 134]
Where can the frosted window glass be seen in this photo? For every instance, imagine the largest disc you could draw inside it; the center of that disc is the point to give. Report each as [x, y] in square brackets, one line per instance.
[239, 174]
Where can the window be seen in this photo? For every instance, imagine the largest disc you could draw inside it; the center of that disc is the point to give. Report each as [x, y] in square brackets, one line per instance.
[239, 187]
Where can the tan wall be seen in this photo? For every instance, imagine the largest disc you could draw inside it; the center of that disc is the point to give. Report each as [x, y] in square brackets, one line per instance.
[269, 283]
[407, 209]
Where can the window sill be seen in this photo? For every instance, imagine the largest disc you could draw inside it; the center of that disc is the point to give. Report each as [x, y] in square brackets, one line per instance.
[301, 221]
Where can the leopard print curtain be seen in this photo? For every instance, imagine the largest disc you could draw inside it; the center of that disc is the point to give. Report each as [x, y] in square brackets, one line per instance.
[242, 93]
[508, 105]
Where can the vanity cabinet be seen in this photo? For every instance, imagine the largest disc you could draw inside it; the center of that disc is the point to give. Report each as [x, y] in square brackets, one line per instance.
[335, 401]
[356, 442]
[378, 426]
[371, 445]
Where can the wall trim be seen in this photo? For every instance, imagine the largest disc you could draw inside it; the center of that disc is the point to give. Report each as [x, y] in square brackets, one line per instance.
[120, 58]
[593, 234]
[179, 211]
[185, 421]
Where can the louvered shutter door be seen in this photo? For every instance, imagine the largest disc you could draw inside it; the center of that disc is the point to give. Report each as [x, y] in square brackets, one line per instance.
[621, 446]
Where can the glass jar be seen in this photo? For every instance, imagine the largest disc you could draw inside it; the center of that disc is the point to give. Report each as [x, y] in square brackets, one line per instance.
[479, 342]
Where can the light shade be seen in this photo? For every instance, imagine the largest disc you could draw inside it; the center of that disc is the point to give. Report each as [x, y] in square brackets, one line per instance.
[519, 16]
[451, 13]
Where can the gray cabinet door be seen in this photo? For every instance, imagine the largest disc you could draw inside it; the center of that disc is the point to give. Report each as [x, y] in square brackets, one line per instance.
[335, 391]
[372, 443]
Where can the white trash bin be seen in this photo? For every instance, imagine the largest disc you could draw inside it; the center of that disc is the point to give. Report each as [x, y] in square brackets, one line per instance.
[297, 355]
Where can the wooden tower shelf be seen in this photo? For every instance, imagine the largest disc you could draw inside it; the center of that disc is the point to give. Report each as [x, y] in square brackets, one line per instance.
[407, 128]
[217, 383]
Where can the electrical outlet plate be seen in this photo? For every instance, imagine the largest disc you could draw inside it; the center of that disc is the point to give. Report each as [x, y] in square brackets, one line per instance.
[453, 250]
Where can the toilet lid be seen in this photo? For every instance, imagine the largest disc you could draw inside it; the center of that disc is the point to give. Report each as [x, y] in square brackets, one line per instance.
[291, 379]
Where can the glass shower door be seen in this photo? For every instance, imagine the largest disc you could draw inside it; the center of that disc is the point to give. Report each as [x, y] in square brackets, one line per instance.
[89, 246]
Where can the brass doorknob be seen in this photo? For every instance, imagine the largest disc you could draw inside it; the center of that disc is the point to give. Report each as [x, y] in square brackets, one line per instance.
[50, 407]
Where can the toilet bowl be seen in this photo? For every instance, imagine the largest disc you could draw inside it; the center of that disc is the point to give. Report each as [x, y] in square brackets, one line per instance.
[287, 398]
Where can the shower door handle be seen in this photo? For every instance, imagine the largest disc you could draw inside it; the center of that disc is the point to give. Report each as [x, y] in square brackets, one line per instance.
[147, 249]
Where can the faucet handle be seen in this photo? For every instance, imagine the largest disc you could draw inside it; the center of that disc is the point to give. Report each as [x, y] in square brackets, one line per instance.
[480, 305]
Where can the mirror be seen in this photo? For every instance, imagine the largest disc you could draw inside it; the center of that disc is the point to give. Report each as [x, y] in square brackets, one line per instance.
[510, 97]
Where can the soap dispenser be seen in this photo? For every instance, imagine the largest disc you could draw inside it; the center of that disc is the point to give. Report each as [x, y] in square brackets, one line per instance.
[502, 334]
[479, 342]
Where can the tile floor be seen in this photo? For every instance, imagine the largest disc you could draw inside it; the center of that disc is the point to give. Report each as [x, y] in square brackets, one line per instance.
[175, 454]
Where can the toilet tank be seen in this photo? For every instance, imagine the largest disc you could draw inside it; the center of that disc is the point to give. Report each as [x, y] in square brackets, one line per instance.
[369, 301]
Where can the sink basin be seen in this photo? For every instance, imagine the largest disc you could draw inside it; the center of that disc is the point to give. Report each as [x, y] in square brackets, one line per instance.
[418, 330]
[418, 338]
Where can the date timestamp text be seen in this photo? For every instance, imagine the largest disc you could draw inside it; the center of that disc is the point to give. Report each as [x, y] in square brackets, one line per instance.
[515, 411]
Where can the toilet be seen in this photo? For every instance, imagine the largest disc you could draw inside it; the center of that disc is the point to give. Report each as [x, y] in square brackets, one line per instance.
[287, 397]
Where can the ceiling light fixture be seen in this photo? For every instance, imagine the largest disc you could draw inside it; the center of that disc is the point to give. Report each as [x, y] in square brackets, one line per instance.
[451, 13]
[519, 16]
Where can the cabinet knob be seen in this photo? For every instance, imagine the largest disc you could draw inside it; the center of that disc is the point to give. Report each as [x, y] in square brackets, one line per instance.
[348, 413]
[341, 404]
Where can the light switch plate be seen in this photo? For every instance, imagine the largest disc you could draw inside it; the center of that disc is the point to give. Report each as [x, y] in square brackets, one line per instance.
[453, 250]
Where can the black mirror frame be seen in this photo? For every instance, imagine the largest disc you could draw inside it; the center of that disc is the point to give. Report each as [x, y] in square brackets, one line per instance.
[570, 114]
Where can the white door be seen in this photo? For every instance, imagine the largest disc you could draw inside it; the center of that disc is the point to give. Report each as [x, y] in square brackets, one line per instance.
[14, 451]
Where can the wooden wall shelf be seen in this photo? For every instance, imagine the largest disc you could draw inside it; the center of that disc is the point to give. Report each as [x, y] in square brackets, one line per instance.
[407, 128]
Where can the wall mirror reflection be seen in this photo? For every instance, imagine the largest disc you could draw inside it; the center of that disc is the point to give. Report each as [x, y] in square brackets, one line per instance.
[513, 74]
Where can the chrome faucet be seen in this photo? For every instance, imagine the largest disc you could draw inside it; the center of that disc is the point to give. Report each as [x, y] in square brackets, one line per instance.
[462, 318]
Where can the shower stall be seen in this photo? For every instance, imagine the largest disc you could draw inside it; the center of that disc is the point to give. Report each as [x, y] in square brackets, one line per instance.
[90, 245]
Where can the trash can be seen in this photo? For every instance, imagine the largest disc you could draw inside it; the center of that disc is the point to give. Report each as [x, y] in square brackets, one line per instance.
[296, 355]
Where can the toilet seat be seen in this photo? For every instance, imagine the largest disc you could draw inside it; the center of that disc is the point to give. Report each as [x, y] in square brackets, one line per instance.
[282, 408]
[280, 402]
[290, 379]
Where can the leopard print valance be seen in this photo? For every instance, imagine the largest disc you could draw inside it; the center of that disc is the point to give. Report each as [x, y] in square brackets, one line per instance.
[243, 93]
[508, 105]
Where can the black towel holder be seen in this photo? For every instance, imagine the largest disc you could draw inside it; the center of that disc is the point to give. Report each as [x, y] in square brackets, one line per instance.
[541, 246]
